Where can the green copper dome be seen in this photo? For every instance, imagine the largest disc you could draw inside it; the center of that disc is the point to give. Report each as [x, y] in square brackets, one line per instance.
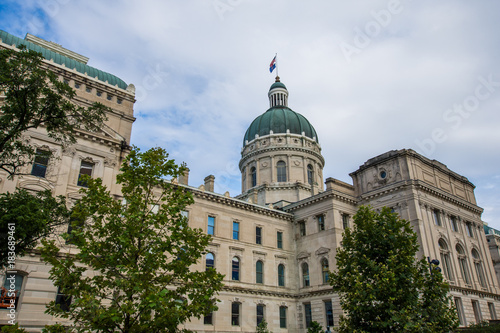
[279, 119]
[277, 84]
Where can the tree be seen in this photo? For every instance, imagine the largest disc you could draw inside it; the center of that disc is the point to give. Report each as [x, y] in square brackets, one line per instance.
[25, 218]
[381, 284]
[132, 271]
[34, 97]
[262, 327]
[315, 327]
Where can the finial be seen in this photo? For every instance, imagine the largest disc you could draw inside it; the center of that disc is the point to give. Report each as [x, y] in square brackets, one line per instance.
[277, 78]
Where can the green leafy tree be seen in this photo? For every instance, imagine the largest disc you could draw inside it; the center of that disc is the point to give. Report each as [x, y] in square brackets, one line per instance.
[13, 329]
[133, 268]
[25, 218]
[262, 327]
[315, 327]
[382, 286]
[34, 97]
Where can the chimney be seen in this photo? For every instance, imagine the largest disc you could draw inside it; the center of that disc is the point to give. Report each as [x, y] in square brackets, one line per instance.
[183, 179]
[209, 183]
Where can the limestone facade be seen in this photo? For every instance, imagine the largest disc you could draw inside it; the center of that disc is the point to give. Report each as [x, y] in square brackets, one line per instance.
[276, 242]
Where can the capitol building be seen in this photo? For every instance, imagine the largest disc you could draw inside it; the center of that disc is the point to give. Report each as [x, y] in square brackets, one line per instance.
[276, 241]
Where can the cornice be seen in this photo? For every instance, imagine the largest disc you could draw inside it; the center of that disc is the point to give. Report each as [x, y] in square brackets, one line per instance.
[281, 148]
[424, 187]
[236, 203]
[326, 195]
[261, 292]
[469, 291]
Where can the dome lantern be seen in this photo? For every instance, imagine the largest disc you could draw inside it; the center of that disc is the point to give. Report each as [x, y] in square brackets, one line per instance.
[278, 95]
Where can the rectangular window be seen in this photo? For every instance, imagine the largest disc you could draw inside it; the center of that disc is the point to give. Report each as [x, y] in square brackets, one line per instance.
[477, 311]
[260, 313]
[345, 221]
[329, 313]
[236, 230]
[308, 314]
[40, 163]
[460, 311]
[282, 317]
[258, 235]
[63, 300]
[493, 313]
[208, 319]
[211, 225]
[321, 222]
[454, 224]
[279, 239]
[12, 282]
[85, 169]
[302, 228]
[235, 314]
[437, 217]
[469, 229]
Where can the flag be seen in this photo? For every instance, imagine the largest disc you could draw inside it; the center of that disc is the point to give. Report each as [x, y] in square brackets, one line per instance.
[272, 66]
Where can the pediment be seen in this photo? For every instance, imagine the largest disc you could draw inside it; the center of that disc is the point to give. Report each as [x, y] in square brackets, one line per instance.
[322, 250]
[303, 255]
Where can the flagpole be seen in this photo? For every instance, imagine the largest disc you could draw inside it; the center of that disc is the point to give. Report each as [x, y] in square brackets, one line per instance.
[276, 56]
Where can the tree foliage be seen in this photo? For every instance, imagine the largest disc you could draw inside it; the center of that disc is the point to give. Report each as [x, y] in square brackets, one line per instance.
[262, 327]
[26, 218]
[382, 286]
[34, 97]
[132, 271]
[315, 327]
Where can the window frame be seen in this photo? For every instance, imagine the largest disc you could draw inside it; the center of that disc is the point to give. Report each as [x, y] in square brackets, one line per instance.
[259, 274]
[39, 169]
[236, 230]
[345, 221]
[88, 166]
[207, 265]
[235, 270]
[281, 174]
[310, 174]
[325, 273]
[321, 222]
[329, 319]
[302, 228]
[211, 226]
[253, 176]
[308, 314]
[235, 313]
[279, 239]
[281, 275]
[262, 314]
[258, 235]
[283, 315]
[306, 282]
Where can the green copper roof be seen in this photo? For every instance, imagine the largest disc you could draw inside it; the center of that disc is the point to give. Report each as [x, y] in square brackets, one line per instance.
[62, 60]
[279, 120]
[277, 85]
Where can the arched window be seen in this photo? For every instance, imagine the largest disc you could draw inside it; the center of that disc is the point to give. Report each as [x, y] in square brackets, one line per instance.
[259, 272]
[305, 275]
[479, 268]
[445, 259]
[209, 261]
[310, 174]
[281, 168]
[324, 270]
[253, 174]
[281, 275]
[462, 261]
[235, 263]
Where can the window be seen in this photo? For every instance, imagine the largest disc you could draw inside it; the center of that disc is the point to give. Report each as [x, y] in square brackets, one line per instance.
[325, 270]
[258, 235]
[329, 313]
[479, 268]
[282, 316]
[208, 319]
[302, 228]
[437, 217]
[109, 97]
[98, 93]
[493, 313]
[445, 259]
[345, 221]
[40, 163]
[305, 275]
[85, 169]
[321, 222]
[209, 261]
[460, 311]
[477, 311]
[236, 230]
[279, 239]
[259, 272]
[469, 229]
[281, 275]
[11, 290]
[310, 174]
[308, 314]
[87, 89]
[119, 100]
[253, 174]
[211, 225]
[281, 168]
[77, 85]
[462, 261]
[260, 313]
[235, 314]
[235, 263]
[454, 224]
[63, 300]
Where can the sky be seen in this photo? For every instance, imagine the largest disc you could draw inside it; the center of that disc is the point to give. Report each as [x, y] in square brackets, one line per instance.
[371, 76]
